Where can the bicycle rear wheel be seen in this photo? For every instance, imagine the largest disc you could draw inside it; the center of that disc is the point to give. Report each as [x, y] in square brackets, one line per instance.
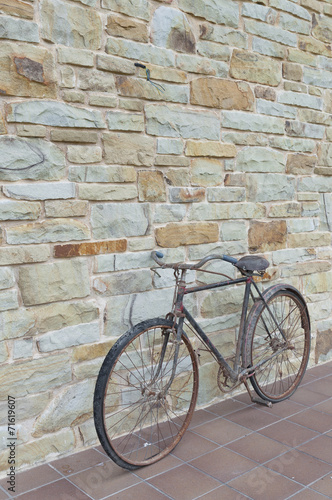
[281, 359]
[141, 410]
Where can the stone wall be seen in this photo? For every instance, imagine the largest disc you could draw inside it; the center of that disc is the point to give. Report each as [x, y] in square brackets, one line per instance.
[98, 168]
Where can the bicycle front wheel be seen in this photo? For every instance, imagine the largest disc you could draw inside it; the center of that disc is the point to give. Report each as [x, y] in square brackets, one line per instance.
[279, 357]
[144, 400]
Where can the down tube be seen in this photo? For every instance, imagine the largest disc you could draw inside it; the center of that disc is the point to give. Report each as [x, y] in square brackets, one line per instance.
[209, 344]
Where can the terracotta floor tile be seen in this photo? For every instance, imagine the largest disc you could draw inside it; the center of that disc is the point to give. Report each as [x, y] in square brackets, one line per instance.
[258, 447]
[60, 490]
[225, 407]
[320, 447]
[253, 418]
[192, 446]
[286, 408]
[223, 493]
[263, 484]
[104, 479]
[184, 483]
[223, 464]
[79, 461]
[221, 431]
[163, 465]
[324, 485]
[325, 407]
[30, 479]
[141, 491]
[288, 433]
[3, 495]
[322, 386]
[321, 370]
[200, 417]
[298, 466]
[308, 494]
[315, 420]
[307, 397]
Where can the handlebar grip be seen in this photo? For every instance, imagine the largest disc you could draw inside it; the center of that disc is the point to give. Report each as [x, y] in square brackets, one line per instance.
[227, 258]
[159, 255]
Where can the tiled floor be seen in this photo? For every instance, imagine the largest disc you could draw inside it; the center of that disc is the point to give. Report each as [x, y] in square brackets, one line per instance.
[234, 450]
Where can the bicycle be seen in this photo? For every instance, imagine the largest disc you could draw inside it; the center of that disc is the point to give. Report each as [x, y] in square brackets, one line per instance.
[147, 387]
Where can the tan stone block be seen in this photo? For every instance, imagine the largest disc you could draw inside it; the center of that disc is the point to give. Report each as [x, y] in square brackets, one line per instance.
[167, 74]
[90, 248]
[51, 317]
[312, 116]
[16, 8]
[267, 236]
[68, 135]
[151, 186]
[3, 128]
[328, 101]
[223, 94]
[301, 269]
[206, 172]
[236, 180]
[131, 104]
[186, 195]
[255, 68]
[210, 148]
[26, 254]
[178, 176]
[300, 164]
[176, 234]
[127, 27]
[309, 44]
[75, 208]
[91, 351]
[72, 96]
[315, 91]
[312, 4]
[289, 209]
[292, 71]
[129, 149]
[309, 240]
[318, 283]
[31, 130]
[110, 192]
[171, 161]
[141, 88]
[27, 71]
[48, 231]
[295, 87]
[301, 56]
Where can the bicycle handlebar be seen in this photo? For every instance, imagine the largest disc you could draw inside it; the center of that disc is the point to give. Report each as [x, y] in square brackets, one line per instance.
[156, 256]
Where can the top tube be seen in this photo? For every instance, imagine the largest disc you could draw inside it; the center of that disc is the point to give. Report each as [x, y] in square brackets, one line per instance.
[156, 256]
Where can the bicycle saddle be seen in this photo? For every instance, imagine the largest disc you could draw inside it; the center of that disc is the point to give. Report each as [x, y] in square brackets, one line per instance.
[252, 263]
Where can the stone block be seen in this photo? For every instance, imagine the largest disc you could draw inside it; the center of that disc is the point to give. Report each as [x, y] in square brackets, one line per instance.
[138, 244]
[291, 144]
[8, 300]
[255, 68]
[78, 57]
[137, 87]
[75, 208]
[302, 225]
[16, 324]
[131, 104]
[19, 210]
[164, 73]
[67, 77]
[328, 101]
[7, 278]
[291, 23]
[69, 337]
[213, 50]
[268, 48]
[139, 8]
[62, 280]
[225, 194]
[259, 12]
[89, 248]
[318, 77]
[270, 187]
[290, 209]
[71, 96]
[258, 159]
[114, 64]
[292, 8]
[223, 94]
[206, 172]
[178, 176]
[84, 154]
[177, 234]
[23, 349]
[111, 192]
[222, 302]
[125, 27]
[123, 283]
[271, 32]
[140, 52]
[291, 71]
[186, 195]
[127, 261]
[173, 161]
[169, 146]
[233, 231]
[226, 211]
[113, 220]
[24, 255]
[133, 122]
[292, 255]
[253, 122]
[197, 64]
[321, 28]
[102, 173]
[221, 34]
[92, 351]
[17, 8]
[70, 25]
[27, 70]
[301, 57]
[40, 191]
[37, 375]
[68, 135]
[265, 93]
[56, 114]
[323, 346]
[96, 80]
[318, 283]
[267, 236]
[129, 149]
[18, 29]
[170, 29]
[300, 164]
[169, 213]
[302, 129]
[325, 154]
[310, 44]
[246, 139]
[311, 116]
[220, 12]
[307, 240]
[151, 186]
[209, 148]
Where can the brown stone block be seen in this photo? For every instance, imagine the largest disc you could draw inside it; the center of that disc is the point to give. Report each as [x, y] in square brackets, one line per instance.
[323, 345]
[292, 71]
[300, 164]
[127, 27]
[176, 234]
[16, 8]
[90, 248]
[210, 148]
[223, 94]
[3, 128]
[265, 93]
[309, 44]
[255, 68]
[151, 186]
[27, 71]
[267, 236]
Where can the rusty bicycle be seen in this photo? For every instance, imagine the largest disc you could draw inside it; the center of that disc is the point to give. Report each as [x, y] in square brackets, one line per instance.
[147, 387]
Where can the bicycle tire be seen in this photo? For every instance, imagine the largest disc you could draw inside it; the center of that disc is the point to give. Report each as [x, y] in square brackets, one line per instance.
[137, 422]
[279, 374]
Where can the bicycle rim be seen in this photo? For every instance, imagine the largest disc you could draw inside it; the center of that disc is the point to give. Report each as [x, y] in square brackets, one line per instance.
[145, 410]
[282, 360]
